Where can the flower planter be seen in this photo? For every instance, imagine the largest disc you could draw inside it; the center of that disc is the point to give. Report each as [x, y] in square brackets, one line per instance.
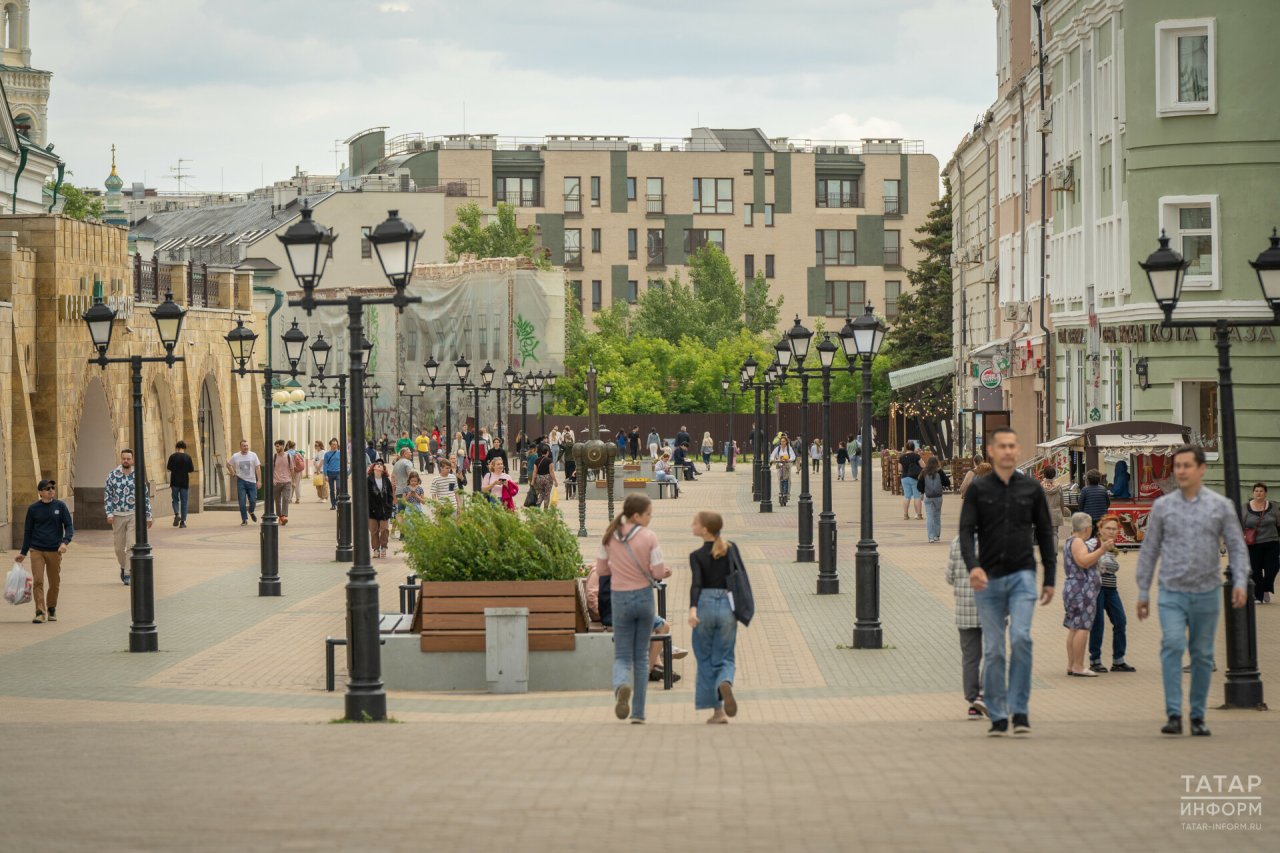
[631, 466]
[450, 615]
[600, 484]
[634, 484]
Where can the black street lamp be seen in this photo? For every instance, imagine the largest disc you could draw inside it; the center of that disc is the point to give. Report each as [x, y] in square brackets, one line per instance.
[828, 579]
[396, 242]
[524, 387]
[746, 382]
[1165, 271]
[101, 320]
[478, 388]
[433, 370]
[862, 338]
[320, 355]
[241, 341]
[796, 343]
[725, 384]
[772, 376]
[422, 390]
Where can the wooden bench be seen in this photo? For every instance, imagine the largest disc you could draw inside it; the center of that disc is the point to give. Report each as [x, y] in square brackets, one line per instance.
[664, 485]
[450, 616]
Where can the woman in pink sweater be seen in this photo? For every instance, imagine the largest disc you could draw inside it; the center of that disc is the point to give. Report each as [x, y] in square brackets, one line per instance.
[630, 554]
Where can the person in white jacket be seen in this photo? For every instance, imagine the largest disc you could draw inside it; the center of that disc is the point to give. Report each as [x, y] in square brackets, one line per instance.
[783, 457]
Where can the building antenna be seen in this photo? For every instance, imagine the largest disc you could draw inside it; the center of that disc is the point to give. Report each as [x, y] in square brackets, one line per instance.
[464, 118]
[179, 176]
[337, 149]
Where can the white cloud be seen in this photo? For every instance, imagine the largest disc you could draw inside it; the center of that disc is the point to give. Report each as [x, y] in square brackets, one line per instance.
[396, 6]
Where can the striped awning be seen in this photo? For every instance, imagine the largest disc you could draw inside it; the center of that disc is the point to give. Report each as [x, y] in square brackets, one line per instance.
[922, 373]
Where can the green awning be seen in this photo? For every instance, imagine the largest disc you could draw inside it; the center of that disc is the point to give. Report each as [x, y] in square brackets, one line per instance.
[922, 373]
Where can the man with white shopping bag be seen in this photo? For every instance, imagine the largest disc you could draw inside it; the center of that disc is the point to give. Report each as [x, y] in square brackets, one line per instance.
[46, 535]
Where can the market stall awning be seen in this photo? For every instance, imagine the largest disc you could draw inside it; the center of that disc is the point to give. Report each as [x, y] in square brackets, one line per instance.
[989, 348]
[1140, 442]
[1059, 441]
[922, 373]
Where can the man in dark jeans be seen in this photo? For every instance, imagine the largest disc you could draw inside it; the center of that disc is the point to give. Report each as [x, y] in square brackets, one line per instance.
[1007, 511]
[180, 469]
[1094, 498]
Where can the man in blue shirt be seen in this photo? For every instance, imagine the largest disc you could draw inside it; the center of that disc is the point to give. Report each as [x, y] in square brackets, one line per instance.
[45, 536]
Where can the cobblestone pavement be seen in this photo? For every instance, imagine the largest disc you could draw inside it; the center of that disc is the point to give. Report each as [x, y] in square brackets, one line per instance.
[832, 748]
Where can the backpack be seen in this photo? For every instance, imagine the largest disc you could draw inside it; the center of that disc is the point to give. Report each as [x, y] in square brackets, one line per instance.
[933, 486]
[299, 464]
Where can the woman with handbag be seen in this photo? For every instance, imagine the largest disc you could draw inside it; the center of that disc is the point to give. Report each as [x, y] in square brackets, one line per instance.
[715, 628]
[544, 476]
[1261, 522]
[317, 471]
[382, 503]
[630, 556]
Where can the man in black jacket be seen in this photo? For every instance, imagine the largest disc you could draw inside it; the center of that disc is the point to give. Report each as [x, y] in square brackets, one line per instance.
[46, 535]
[1007, 511]
[683, 438]
[180, 469]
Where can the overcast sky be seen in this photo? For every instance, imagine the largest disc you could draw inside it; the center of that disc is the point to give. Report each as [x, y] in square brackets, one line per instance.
[250, 88]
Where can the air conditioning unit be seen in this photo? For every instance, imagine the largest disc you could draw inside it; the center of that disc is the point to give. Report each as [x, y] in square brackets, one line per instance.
[634, 146]
[417, 145]
[528, 148]
[991, 271]
[657, 146]
[1046, 121]
[959, 257]
[842, 150]
[1011, 311]
[822, 149]
[975, 251]
[436, 146]
[1024, 312]
[1063, 177]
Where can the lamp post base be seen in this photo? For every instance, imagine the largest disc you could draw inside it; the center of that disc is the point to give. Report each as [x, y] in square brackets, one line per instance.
[828, 578]
[269, 582]
[868, 637]
[144, 641]
[867, 632]
[804, 550]
[343, 553]
[142, 632]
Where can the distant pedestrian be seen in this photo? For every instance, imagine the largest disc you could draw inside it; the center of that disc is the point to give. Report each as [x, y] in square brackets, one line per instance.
[842, 458]
[281, 481]
[180, 469]
[630, 555]
[1007, 513]
[444, 488]
[1056, 499]
[621, 441]
[553, 443]
[983, 470]
[544, 476]
[1262, 518]
[633, 443]
[246, 468]
[370, 452]
[1184, 529]
[1080, 586]
[708, 447]
[655, 444]
[1109, 604]
[384, 446]
[120, 504]
[683, 437]
[382, 504]
[783, 457]
[414, 495]
[715, 628]
[297, 468]
[317, 469]
[855, 451]
[1095, 500]
[909, 470]
[404, 442]
[46, 533]
[333, 471]
[933, 483]
[422, 444]
[400, 471]
[970, 628]
[815, 454]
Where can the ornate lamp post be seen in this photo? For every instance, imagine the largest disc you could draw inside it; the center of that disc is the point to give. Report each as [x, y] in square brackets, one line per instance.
[772, 377]
[828, 578]
[797, 344]
[1165, 271]
[477, 465]
[462, 369]
[593, 453]
[746, 383]
[396, 244]
[862, 338]
[422, 390]
[725, 384]
[320, 351]
[101, 320]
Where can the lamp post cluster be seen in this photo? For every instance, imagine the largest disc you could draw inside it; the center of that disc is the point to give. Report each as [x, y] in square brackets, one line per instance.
[1165, 270]
[525, 385]
[320, 350]
[725, 384]
[422, 390]
[760, 479]
[101, 321]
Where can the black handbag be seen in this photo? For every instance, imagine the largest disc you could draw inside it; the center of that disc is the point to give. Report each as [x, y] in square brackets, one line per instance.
[531, 498]
[739, 587]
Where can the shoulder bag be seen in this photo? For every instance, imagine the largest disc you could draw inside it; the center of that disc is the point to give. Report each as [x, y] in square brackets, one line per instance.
[738, 584]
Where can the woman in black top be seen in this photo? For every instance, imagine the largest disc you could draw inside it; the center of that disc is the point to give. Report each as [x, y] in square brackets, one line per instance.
[497, 452]
[544, 476]
[382, 503]
[842, 457]
[715, 629]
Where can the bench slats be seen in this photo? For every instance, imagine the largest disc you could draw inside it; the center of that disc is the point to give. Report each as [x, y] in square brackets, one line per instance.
[476, 622]
[536, 604]
[473, 641]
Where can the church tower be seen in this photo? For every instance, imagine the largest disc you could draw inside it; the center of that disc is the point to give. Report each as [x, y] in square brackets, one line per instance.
[27, 87]
[113, 212]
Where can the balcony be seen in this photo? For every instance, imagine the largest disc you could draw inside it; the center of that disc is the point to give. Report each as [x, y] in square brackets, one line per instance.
[516, 198]
[656, 256]
[655, 204]
[893, 257]
[841, 200]
[892, 206]
[572, 257]
[573, 203]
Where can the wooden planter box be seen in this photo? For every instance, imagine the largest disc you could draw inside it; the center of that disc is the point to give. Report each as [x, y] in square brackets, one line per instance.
[450, 615]
[626, 484]
[631, 466]
[601, 484]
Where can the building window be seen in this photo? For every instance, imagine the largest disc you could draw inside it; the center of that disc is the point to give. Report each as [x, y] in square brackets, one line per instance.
[521, 192]
[1117, 384]
[768, 173]
[746, 215]
[631, 189]
[631, 243]
[768, 266]
[1081, 389]
[892, 248]
[573, 247]
[748, 171]
[837, 193]
[891, 291]
[596, 288]
[572, 195]
[768, 216]
[749, 267]
[633, 291]
[656, 246]
[595, 239]
[577, 295]
[1193, 226]
[1199, 404]
[411, 346]
[713, 195]
[695, 239]
[595, 191]
[844, 297]
[653, 196]
[892, 207]
[835, 248]
[655, 282]
[1186, 78]
[366, 249]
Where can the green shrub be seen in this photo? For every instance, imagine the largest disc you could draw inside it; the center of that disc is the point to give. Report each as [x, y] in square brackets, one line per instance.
[487, 542]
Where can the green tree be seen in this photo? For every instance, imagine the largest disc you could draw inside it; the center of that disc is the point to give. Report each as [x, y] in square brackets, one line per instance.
[923, 330]
[78, 204]
[500, 238]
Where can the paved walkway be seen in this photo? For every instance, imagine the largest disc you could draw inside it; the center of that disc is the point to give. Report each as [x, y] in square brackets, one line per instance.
[913, 772]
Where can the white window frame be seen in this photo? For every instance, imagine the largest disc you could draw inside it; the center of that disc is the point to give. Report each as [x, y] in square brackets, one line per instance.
[1179, 414]
[1170, 224]
[1167, 35]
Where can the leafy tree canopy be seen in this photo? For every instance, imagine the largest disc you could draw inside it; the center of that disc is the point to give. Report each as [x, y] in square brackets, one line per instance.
[77, 203]
[499, 238]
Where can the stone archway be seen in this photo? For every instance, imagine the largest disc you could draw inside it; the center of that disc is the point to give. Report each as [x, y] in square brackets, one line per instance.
[213, 452]
[95, 457]
[157, 422]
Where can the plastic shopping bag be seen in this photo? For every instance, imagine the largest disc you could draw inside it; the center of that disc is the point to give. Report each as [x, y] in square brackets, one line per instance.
[555, 497]
[17, 586]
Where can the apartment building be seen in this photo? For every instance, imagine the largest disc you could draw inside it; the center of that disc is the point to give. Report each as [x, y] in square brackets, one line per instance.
[828, 224]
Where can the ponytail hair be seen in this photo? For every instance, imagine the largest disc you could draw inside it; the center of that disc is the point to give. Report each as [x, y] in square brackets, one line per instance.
[713, 524]
[634, 505]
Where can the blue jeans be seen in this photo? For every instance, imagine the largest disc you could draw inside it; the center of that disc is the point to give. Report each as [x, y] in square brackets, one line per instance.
[1187, 619]
[706, 459]
[856, 460]
[633, 614]
[1109, 600]
[784, 486]
[663, 477]
[933, 517]
[713, 642]
[333, 488]
[246, 491]
[179, 499]
[1013, 597]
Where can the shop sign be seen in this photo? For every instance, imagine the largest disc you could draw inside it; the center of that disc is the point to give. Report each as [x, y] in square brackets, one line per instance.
[990, 378]
[1143, 333]
[1000, 363]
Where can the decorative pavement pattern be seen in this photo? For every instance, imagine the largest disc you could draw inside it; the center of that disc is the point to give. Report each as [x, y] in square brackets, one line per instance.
[832, 748]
